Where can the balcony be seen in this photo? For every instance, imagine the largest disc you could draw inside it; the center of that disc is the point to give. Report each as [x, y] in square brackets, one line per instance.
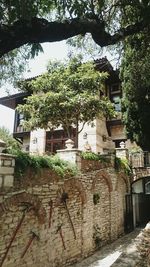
[140, 159]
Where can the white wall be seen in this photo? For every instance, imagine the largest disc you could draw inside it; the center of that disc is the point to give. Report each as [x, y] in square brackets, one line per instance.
[37, 141]
[95, 137]
[91, 137]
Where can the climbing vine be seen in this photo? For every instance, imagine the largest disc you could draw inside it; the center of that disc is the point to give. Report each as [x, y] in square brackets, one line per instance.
[122, 164]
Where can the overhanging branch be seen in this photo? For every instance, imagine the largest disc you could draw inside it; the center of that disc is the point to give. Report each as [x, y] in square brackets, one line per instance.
[39, 30]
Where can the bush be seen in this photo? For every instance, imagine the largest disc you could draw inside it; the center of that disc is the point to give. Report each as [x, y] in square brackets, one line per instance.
[122, 164]
[7, 137]
[94, 156]
[24, 160]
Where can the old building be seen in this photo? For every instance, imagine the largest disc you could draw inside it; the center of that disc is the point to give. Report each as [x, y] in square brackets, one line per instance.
[104, 136]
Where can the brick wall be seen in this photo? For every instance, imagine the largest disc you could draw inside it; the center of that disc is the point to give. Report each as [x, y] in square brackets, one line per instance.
[39, 228]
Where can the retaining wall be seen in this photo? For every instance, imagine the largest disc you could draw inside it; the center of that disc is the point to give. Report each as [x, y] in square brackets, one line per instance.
[46, 220]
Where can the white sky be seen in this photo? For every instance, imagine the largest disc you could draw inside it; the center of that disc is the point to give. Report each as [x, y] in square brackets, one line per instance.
[57, 50]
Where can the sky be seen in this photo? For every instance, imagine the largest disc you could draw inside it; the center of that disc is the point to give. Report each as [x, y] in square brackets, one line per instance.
[57, 50]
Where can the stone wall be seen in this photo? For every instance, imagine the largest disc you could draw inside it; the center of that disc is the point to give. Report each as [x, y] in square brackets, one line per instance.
[52, 221]
[143, 247]
[140, 172]
[7, 163]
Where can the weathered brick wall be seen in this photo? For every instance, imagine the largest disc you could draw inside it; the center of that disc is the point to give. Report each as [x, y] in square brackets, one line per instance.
[64, 233]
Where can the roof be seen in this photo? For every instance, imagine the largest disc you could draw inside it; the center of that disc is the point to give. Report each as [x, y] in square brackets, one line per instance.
[103, 64]
[11, 101]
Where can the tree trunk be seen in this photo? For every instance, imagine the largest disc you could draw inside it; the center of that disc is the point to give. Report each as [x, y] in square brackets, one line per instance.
[77, 133]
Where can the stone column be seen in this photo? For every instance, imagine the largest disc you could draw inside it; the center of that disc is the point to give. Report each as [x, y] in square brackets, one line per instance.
[70, 154]
[7, 165]
[122, 151]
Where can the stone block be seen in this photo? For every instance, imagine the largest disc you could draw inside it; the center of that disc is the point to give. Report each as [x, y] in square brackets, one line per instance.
[1, 162]
[13, 163]
[1, 181]
[122, 153]
[7, 163]
[71, 155]
[6, 170]
[8, 180]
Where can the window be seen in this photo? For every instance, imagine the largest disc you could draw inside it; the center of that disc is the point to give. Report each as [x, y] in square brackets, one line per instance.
[56, 140]
[115, 96]
[114, 88]
[118, 141]
[20, 118]
[117, 102]
[147, 188]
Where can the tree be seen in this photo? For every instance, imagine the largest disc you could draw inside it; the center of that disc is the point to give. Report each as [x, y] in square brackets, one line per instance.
[27, 24]
[34, 22]
[13, 65]
[136, 88]
[135, 77]
[67, 95]
[24, 25]
[6, 136]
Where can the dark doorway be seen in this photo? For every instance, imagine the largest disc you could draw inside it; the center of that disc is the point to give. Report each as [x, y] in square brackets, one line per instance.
[128, 214]
[141, 201]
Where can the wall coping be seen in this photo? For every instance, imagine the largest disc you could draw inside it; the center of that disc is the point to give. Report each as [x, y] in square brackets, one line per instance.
[121, 149]
[69, 150]
[4, 155]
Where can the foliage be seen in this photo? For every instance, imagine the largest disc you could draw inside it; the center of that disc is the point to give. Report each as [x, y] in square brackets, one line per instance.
[136, 85]
[85, 46]
[65, 96]
[135, 150]
[122, 165]
[13, 65]
[136, 100]
[94, 156]
[24, 161]
[58, 20]
[6, 136]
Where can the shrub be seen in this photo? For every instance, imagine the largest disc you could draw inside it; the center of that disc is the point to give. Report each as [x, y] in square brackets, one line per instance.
[7, 137]
[24, 160]
[122, 164]
[94, 156]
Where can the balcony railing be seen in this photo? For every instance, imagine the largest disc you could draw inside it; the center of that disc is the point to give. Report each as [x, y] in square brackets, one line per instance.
[19, 129]
[140, 159]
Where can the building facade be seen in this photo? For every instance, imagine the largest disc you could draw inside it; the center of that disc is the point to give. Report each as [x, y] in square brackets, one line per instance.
[103, 136]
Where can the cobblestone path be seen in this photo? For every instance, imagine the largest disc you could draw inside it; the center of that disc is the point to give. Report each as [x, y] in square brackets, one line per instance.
[121, 253]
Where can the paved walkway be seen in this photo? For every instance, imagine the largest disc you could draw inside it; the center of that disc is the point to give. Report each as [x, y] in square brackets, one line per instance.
[121, 253]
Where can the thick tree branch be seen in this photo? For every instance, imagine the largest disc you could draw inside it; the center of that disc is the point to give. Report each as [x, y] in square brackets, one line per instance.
[40, 30]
